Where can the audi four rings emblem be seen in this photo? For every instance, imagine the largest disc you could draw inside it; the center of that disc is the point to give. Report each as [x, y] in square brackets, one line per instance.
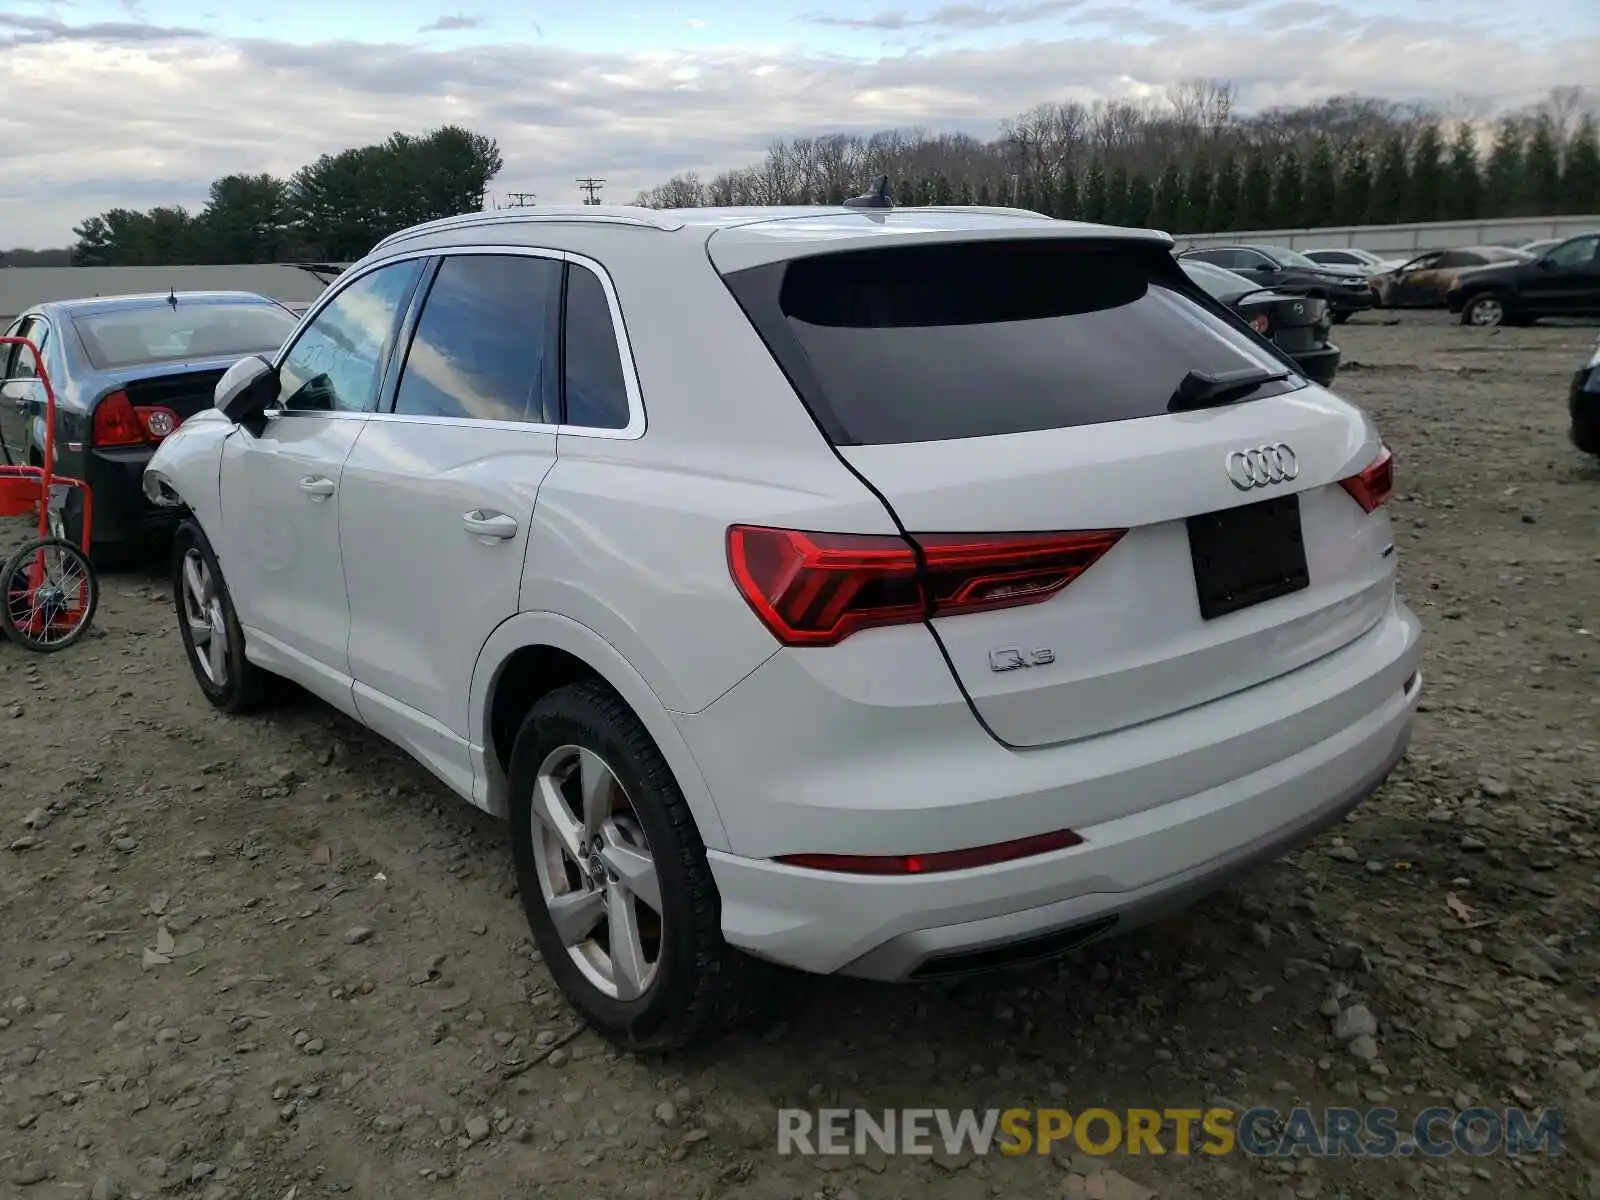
[1261, 466]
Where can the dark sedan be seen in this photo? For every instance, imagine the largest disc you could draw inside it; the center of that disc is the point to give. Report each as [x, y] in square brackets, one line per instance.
[1297, 325]
[1585, 405]
[1562, 282]
[127, 371]
[1346, 289]
[1423, 281]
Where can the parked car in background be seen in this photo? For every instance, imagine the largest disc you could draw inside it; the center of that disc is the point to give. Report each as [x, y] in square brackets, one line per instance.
[676, 537]
[1562, 282]
[1538, 246]
[1344, 288]
[1297, 325]
[1423, 281]
[1349, 256]
[1584, 405]
[127, 372]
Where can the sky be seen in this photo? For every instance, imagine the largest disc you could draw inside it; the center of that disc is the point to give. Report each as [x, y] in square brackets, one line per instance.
[142, 102]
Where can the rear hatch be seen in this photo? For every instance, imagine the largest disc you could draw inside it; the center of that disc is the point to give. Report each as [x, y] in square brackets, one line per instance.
[993, 389]
[1294, 323]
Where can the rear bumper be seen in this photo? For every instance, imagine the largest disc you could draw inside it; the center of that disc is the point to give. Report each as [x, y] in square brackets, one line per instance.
[123, 514]
[1584, 405]
[1224, 784]
[1352, 301]
[1319, 365]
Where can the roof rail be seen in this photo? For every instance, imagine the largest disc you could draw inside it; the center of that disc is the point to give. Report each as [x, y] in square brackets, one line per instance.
[988, 210]
[642, 218]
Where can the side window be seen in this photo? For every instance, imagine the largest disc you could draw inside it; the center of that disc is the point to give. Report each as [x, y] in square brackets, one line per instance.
[1249, 260]
[595, 392]
[1576, 253]
[485, 348]
[1457, 258]
[1217, 258]
[337, 362]
[22, 364]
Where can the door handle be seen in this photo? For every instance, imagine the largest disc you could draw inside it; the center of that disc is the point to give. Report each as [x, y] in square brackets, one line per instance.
[317, 487]
[489, 525]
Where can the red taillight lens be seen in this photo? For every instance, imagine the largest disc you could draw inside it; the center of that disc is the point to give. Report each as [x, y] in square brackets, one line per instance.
[1260, 324]
[116, 424]
[1374, 485]
[927, 864]
[816, 589]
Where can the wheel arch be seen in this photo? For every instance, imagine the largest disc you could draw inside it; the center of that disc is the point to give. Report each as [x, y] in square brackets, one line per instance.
[533, 653]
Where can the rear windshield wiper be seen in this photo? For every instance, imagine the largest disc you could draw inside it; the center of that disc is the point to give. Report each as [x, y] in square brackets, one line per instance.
[1203, 389]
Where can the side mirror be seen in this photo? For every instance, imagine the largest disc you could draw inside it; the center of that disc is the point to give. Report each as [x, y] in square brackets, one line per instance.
[246, 390]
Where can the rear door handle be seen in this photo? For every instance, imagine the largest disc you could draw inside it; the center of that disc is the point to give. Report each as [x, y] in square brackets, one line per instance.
[489, 524]
[317, 487]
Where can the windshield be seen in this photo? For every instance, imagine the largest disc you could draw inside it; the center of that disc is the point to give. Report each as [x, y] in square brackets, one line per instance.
[1290, 258]
[128, 337]
[1220, 282]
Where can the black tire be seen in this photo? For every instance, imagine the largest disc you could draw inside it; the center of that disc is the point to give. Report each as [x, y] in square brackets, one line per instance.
[702, 986]
[245, 687]
[1477, 311]
[14, 579]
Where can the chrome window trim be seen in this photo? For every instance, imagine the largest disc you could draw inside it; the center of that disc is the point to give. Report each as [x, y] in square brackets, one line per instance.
[634, 429]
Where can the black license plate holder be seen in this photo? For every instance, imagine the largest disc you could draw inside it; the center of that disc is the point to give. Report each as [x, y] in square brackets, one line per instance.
[1246, 556]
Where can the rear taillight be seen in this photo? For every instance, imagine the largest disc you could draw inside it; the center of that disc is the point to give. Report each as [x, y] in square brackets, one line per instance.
[816, 589]
[1260, 323]
[944, 860]
[118, 422]
[1375, 484]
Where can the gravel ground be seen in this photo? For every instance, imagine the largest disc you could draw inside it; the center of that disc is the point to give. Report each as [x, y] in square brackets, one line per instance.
[272, 958]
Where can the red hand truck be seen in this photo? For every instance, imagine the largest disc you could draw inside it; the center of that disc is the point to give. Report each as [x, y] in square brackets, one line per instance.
[48, 589]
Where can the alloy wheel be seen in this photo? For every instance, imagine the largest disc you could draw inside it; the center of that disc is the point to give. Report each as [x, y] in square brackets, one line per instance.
[1488, 312]
[596, 873]
[208, 624]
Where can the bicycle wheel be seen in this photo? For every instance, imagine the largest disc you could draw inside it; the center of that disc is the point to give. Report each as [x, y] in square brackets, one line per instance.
[51, 593]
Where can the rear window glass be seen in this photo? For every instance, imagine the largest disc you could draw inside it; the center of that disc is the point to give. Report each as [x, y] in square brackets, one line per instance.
[167, 333]
[975, 339]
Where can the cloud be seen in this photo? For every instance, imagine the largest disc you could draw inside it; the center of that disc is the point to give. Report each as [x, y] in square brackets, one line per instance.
[952, 16]
[21, 29]
[98, 116]
[695, 23]
[448, 23]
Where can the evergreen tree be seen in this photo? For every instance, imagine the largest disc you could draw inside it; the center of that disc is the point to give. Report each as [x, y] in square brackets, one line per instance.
[1069, 205]
[1580, 179]
[1463, 187]
[1044, 196]
[1094, 193]
[1288, 191]
[1391, 183]
[943, 193]
[1320, 201]
[1223, 213]
[1141, 200]
[930, 190]
[964, 192]
[1353, 189]
[985, 196]
[1117, 196]
[907, 192]
[1504, 176]
[1542, 171]
[1255, 195]
[1425, 188]
[1172, 202]
[1025, 194]
[1197, 191]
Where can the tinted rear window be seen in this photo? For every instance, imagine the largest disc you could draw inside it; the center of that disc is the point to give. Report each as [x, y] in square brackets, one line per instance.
[166, 333]
[975, 339]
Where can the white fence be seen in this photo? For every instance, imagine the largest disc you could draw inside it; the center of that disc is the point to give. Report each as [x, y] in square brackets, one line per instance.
[1403, 239]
